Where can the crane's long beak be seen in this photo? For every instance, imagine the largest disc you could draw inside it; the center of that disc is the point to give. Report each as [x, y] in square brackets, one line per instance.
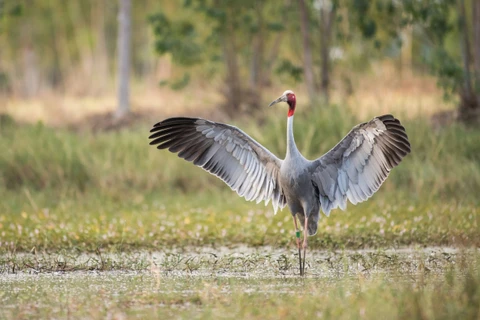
[283, 98]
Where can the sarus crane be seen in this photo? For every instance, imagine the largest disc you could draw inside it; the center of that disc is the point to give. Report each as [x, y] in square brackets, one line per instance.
[353, 170]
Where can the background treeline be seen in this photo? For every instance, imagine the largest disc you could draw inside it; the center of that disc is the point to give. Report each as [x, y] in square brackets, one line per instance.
[245, 45]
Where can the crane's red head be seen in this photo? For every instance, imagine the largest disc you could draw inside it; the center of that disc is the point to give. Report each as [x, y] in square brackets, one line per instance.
[288, 97]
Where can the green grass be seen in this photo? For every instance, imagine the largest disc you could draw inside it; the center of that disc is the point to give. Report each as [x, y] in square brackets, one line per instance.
[221, 219]
[62, 189]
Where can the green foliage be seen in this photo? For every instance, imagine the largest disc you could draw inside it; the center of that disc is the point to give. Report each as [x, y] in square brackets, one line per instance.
[48, 161]
[220, 33]
[181, 83]
[432, 16]
[291, 71]
[447, 68]
[374, 27]
[368, 26]
[4, 82]
[10, 8]
[178, 38]
[435, 22]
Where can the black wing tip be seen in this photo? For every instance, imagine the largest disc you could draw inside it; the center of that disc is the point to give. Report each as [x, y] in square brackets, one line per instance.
[153, 142]
[386, 117]
[395, 127]
[160, 128]
[397, 149]
[175, 120]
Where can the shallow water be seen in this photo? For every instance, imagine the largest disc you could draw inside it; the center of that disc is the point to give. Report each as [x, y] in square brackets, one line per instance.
[100, 284]
[241, 261]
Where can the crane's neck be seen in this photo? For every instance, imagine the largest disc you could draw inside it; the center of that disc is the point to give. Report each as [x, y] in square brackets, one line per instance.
[292, 151]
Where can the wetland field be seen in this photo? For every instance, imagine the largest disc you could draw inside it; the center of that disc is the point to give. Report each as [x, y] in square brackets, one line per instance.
[97, 225]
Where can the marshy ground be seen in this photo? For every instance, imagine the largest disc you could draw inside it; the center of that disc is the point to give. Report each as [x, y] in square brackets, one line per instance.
[101, 225]
[262, 283]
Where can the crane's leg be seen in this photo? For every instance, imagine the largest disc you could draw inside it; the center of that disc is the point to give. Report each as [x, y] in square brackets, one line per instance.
[305, 234]
[297, 237]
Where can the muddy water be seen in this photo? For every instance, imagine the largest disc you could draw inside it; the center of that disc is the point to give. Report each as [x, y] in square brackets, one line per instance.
[149, 284]
[240, 261]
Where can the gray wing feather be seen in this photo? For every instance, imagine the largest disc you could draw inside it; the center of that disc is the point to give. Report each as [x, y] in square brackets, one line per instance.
[358, 165]
[227, 152]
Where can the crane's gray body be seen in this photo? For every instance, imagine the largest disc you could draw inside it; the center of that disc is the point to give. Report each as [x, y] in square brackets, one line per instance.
[296, 181]
[300, 194]
[352, 170]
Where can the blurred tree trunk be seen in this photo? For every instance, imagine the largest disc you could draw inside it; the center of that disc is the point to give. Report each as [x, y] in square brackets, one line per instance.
[272, 57]
[100, 52]
[56, 74]
[257, 74]
[30, 72]
[274, 51]
[257, 53]
[307, 51]
[83, 67]
[233, 92]
[469, 103]
[476, 45]
[124, 31]
[327, 15]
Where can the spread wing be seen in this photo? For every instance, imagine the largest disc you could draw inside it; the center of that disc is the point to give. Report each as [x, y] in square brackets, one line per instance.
[225, 151]
[357, 166]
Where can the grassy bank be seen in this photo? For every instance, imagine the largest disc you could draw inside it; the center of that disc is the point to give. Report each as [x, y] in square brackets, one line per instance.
[62, 189]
